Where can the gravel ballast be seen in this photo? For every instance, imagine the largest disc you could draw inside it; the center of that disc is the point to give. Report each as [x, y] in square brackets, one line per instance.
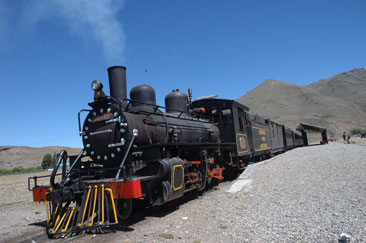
[309, 194]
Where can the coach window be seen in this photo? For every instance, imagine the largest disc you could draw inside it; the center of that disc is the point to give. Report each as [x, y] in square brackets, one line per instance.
[215, 114]
[226, 116]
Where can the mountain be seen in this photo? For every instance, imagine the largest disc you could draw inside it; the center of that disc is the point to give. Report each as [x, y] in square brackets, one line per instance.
[13, 156]
[337, 103]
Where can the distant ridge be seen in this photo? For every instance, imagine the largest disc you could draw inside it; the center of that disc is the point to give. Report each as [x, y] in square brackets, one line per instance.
[337, 103]
[13, 156]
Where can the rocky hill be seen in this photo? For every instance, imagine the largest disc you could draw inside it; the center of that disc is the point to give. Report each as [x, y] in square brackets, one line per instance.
[14, 156]
[337, 103]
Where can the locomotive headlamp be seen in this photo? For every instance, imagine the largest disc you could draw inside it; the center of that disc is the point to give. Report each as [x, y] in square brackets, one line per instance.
[96, 85]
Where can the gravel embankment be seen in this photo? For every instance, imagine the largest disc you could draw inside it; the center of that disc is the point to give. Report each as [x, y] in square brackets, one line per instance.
[310, 194]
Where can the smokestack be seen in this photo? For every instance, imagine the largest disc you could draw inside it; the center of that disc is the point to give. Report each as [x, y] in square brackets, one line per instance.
[117, 82]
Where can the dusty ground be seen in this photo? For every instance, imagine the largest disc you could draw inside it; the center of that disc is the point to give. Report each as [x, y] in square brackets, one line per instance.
[269, 211]
[356, 140]
[18, 213]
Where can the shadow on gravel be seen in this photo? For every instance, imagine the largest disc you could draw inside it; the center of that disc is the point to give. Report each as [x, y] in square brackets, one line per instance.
[159, 211]
[41, 224]
[139, 215]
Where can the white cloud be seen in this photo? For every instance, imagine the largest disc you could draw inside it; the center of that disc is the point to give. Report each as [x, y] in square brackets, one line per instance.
[96, 19]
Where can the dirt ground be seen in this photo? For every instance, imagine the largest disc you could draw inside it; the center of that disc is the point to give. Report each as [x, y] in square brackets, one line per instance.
[24, 220]
[356, 140]
[20, 215]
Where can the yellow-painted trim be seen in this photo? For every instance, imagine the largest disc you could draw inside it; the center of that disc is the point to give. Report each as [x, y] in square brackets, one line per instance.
[85, 206]
[94, 203]
[62, 219]
[68, 221]
[48, 213]
[181, 186]
[262, 149]
[114, 206]
[102, 221]
[58, 204]
[260, 128]
[60, 222]
[55, 222]
[267, 134]
[238, 143]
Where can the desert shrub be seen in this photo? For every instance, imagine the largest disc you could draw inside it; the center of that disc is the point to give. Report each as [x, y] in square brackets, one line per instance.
[47, 161]
[358, 130]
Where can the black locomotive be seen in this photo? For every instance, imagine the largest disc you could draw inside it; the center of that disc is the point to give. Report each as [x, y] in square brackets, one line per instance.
[135, 153]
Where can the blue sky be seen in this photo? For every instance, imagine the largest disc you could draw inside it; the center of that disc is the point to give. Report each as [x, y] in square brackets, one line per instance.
[51, 50]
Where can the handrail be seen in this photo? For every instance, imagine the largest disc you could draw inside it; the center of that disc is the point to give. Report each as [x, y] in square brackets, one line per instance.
[62, 158]
[80, 133]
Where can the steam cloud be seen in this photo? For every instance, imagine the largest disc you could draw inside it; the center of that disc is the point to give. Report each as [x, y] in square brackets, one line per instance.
[95, 19]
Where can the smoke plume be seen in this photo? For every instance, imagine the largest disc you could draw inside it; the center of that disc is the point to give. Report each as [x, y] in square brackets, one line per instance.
[96, 19]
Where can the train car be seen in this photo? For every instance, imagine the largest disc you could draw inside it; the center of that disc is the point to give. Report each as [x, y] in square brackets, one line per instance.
[260, 137]
[289, 138]
[247, 134]
[299, 140]
[277, 136]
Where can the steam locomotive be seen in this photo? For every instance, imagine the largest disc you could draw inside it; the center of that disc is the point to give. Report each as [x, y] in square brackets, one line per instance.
[135, 153]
